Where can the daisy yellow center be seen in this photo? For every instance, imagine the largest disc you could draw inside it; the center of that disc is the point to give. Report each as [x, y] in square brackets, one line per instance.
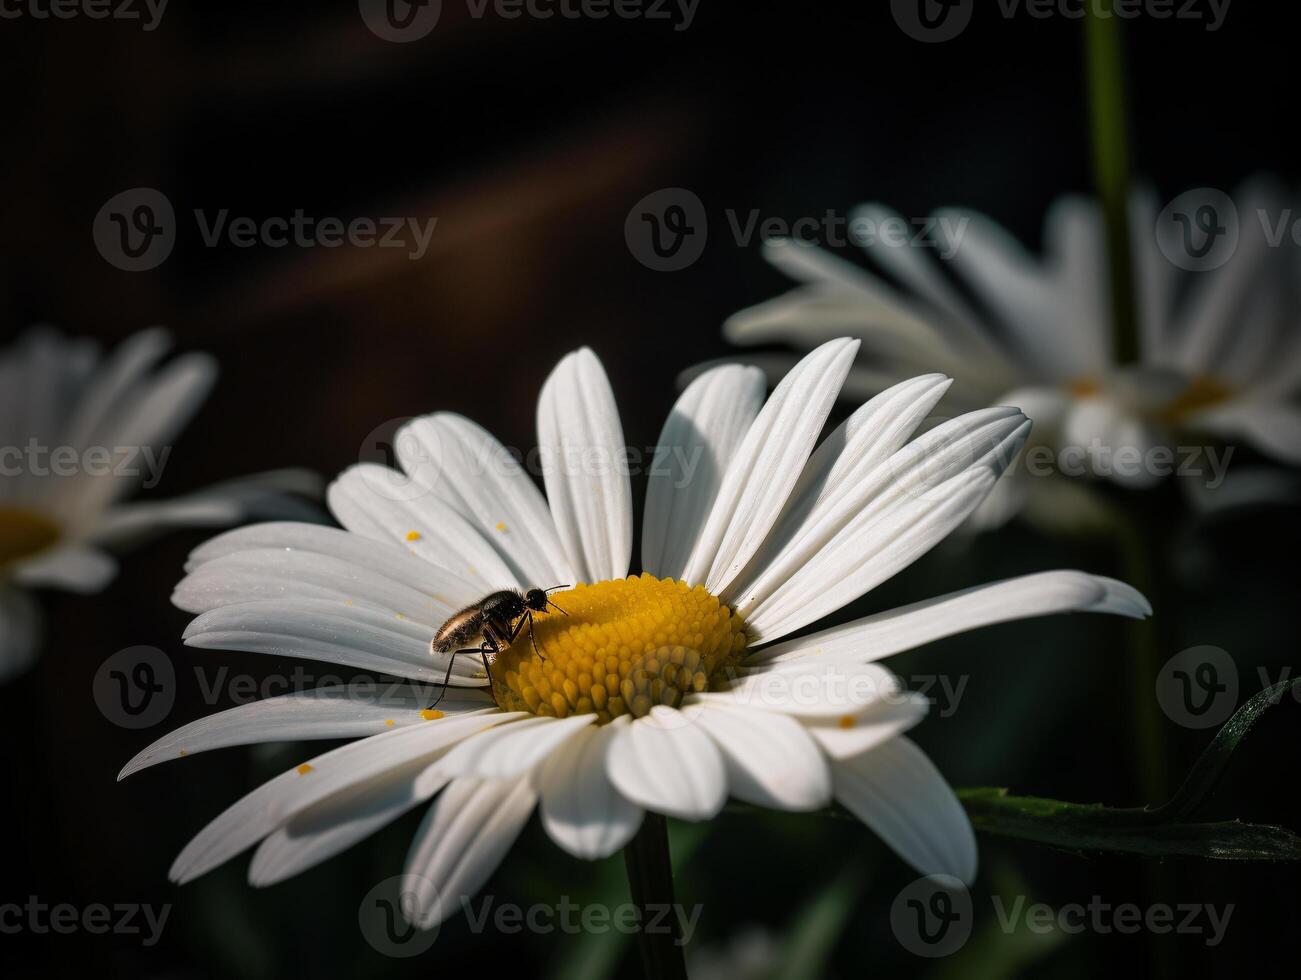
[1084, 388]
[1202, 392]
[624, 646]
[24, 533]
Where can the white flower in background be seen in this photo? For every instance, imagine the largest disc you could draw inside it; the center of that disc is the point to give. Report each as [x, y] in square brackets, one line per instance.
[78, 433]
[1220, 348]
[650, 693]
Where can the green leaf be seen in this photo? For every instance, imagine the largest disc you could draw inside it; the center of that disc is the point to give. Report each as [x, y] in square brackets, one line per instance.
[1095, 828]
[1164, 831]
[1211, 764]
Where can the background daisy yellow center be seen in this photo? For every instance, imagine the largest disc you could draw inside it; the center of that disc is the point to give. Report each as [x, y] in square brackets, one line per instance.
[625, 646]
[23, 533]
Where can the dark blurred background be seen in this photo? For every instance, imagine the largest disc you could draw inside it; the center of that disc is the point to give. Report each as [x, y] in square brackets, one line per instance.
[530, 141]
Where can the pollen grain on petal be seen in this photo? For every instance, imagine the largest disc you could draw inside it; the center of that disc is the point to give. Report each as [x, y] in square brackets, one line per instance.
[305, 768]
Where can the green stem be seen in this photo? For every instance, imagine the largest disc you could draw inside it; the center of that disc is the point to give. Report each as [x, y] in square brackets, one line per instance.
[1106, 79]
[1140, 566]
[650, 879]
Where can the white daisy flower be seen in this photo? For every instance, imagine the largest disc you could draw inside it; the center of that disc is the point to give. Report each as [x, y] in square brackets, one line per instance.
[667, 691]
[1220, 349]
[78, 433]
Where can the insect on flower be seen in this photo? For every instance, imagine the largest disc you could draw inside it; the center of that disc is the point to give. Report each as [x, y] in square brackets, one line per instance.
[496, 621]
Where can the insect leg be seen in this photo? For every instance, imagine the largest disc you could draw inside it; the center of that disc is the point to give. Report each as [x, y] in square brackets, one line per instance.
[448, 676]
[515, 631]
[489, 645]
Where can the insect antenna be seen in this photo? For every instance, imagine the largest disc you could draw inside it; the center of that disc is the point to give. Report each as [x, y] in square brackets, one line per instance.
[556, 588]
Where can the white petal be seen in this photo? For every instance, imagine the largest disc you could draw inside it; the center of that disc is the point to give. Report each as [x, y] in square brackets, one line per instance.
[665, 763]
[367, 500]
[474, 473]
[911, 502]
[888, 633]
[427, 596]
[845, 459]
[852, 508]
[852, 735]
[20, 632]
[151, 416]
[343, 549]
[121, 373]
[770, 759]
[336, 823]
[359, 636]
[856, 509]
[585, 467]
[950, 314]
[273, 803]
[767, 466]
[273, 495]
[810, 688]
[698, 441]
[73, 567]
[325, 712]
[505, 753]
[580, 808]
[463, 838]
[1109, 436]
[897, 791]
[1272, 427]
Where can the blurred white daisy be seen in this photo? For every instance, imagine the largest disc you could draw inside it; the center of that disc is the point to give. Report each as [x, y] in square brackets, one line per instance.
[78, 434]
[1220, 348]
[650, 693]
